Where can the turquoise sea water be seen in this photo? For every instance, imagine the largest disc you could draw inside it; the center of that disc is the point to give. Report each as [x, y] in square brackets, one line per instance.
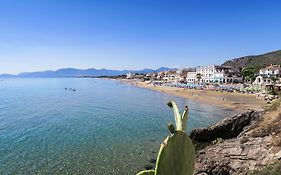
[105, 127]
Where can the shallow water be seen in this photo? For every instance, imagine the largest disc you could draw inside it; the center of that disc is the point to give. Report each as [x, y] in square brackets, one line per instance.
[103, 128]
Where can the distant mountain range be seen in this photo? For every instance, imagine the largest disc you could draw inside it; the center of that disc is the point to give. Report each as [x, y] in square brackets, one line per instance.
[72, 72]
[256, 61]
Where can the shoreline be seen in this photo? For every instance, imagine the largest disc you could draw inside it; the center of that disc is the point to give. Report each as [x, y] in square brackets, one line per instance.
[239, 144]
[232, 101]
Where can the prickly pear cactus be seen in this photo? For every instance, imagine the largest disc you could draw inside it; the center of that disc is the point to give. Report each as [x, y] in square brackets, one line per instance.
[176, 155]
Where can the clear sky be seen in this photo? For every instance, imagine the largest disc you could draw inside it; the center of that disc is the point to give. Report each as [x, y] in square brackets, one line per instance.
[133, 34]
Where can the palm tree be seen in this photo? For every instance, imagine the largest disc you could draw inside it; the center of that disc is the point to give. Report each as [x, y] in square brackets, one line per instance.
[198, 77]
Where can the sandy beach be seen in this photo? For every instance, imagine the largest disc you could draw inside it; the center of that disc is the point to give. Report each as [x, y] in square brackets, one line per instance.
[234, 101]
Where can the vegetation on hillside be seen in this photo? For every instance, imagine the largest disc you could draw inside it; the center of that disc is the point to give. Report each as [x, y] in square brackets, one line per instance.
[255, 61]
[274, 169]
[270, 125]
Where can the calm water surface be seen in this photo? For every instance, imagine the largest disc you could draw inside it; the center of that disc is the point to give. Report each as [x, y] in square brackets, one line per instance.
[103, 128]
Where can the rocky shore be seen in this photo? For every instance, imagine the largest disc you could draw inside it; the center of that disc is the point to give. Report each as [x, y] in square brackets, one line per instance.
[239, 145]
[246, 144]
[228, 128]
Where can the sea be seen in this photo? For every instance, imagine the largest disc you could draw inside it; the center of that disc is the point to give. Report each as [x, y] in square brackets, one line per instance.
[86, 125]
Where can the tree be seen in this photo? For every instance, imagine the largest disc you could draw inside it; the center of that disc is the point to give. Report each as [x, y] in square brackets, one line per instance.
[248, 73]
[274, 79]
[235, 81]
[198, 77]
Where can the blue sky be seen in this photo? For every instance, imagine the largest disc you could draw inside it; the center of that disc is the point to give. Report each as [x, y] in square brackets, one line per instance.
[133, 34]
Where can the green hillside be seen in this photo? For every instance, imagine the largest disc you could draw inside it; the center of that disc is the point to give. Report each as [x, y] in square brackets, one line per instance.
[256, 60]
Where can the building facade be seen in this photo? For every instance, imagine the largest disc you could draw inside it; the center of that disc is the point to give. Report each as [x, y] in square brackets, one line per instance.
[129, 76]
[271, 71]
[214, 74]
[268, 75]
[191, 77]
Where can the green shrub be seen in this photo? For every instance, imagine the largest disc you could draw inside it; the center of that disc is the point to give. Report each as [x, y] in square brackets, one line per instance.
[273, 169]
[217, 141]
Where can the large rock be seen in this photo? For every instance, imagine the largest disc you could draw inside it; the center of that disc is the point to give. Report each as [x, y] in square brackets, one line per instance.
[245, 151]
[228, 128]
[235, 156]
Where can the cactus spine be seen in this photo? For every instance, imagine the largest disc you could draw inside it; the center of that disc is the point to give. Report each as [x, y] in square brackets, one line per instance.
[147, 172]
[176, 155]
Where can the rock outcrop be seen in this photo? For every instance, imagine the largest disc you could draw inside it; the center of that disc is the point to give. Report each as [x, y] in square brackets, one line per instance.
[241, 152]
[235, 156]
[228, 128]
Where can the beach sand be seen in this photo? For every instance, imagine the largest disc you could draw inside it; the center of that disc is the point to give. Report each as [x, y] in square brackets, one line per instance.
[234, 101]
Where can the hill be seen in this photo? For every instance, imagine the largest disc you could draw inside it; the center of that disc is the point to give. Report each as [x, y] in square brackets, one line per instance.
[72, 72]
[255, 60]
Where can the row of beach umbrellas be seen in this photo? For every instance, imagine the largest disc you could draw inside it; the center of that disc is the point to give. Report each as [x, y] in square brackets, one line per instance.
[220, 87]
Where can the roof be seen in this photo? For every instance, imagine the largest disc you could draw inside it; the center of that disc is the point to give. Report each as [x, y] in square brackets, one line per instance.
[223, 67]
[272, 67]
[216, 66]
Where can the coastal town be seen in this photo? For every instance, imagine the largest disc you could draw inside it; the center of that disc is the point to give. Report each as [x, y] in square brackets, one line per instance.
[140, 87]
[252, 92]
[265, 82]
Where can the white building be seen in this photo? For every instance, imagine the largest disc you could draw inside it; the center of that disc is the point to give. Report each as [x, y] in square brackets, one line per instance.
[268, 75]
[271, 71]
[160, 75]
[180, 76]
[261, 80]
[169, 76]
[191, 77]
[213, 74]
[130, 76]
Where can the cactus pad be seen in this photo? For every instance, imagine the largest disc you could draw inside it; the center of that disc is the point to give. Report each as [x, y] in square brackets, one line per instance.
[176, 156]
